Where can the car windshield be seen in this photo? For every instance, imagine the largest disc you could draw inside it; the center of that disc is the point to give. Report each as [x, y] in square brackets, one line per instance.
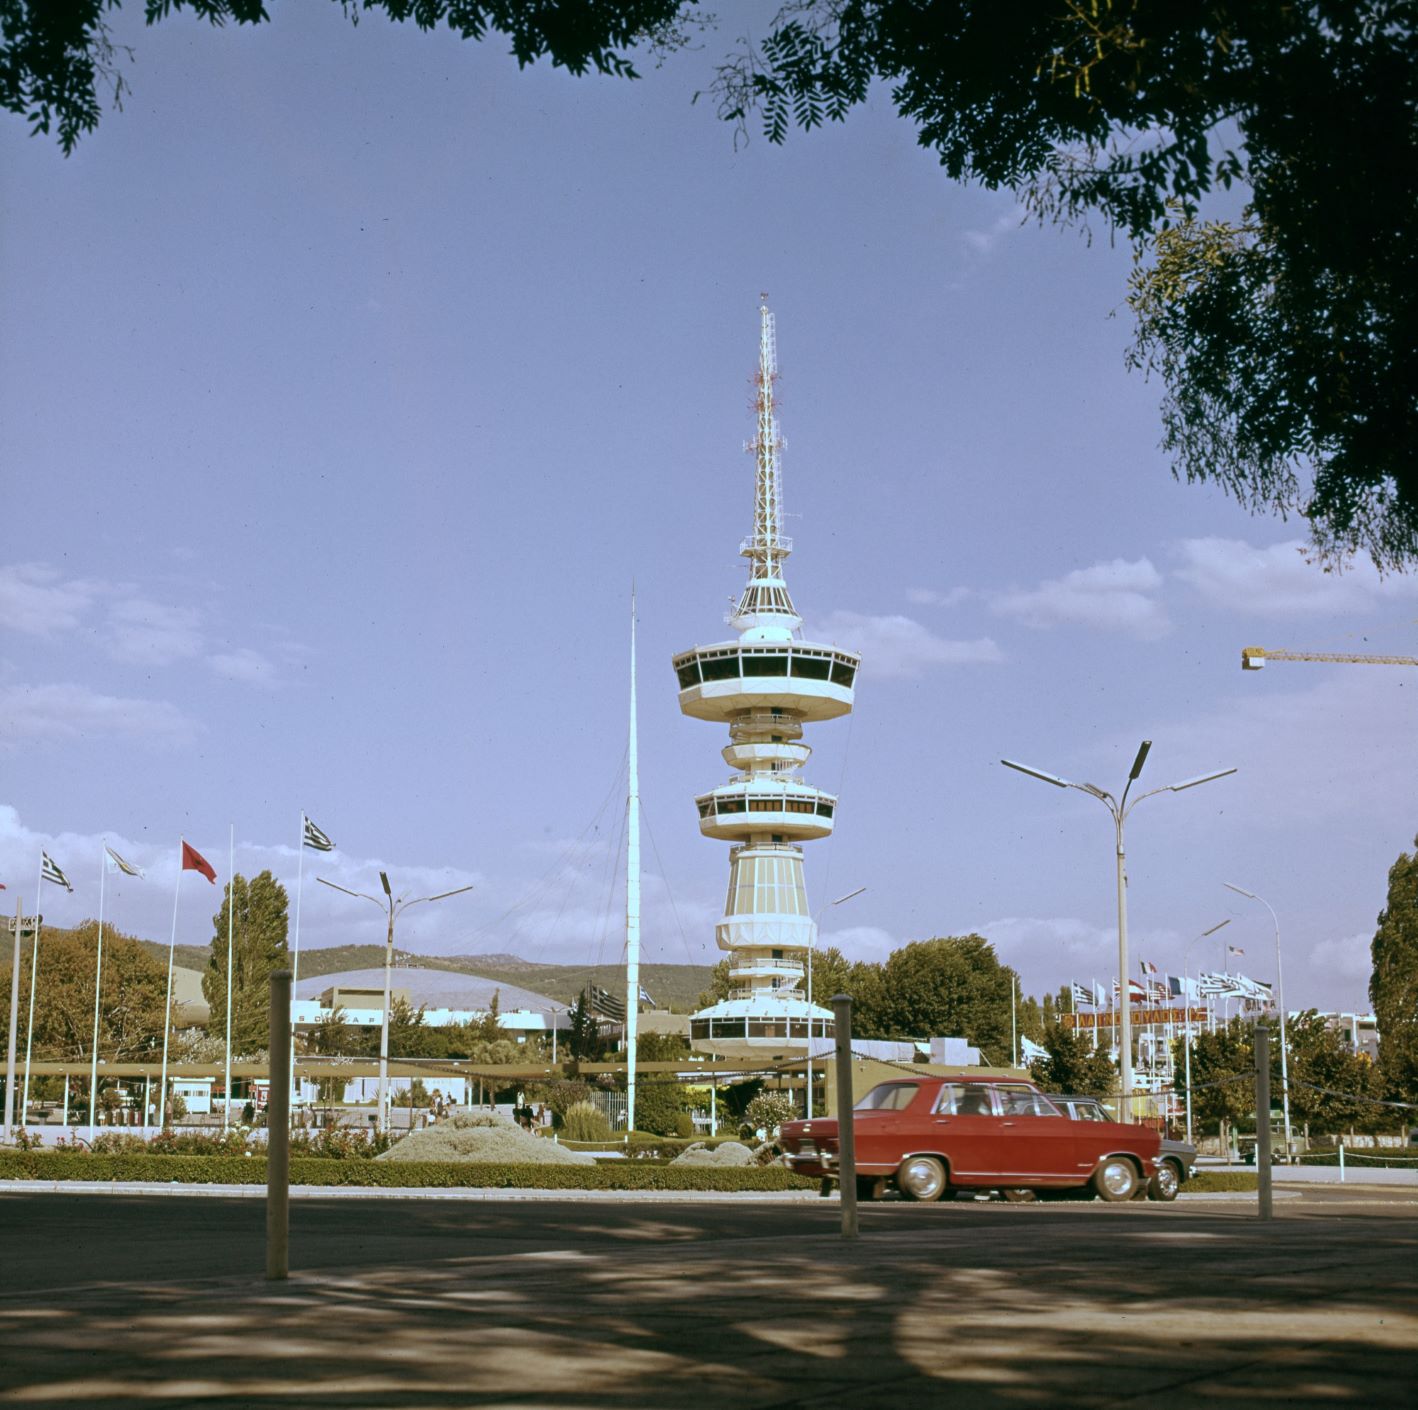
[890, 1096]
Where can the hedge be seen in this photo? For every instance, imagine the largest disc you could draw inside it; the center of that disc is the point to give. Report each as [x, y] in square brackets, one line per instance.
[251, 1170]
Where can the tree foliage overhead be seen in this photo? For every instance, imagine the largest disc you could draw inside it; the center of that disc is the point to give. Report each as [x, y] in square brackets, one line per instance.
[1393, 987]
[1288, 343]
[1073, 1066]
[59, 56]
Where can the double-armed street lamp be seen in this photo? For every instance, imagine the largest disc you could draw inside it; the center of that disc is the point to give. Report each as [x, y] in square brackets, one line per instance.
[395, 906]
[1120, 808]
[811, 945]
[1280, 1001]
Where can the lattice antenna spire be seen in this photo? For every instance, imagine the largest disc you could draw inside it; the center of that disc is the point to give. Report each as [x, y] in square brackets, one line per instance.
[766, 607]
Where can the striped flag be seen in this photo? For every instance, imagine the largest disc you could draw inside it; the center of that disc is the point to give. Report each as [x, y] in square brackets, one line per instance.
[1234, 950]
[116, 863]
[1147, 967]
[1082, 995]
[49, 871]
[314, 838]
[1030, 1050]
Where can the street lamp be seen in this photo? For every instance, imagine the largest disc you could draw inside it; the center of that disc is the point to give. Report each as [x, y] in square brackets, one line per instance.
[395, 906]
[1187, 1003]
[1280, 1000]
[1120, 808]
[811, 942]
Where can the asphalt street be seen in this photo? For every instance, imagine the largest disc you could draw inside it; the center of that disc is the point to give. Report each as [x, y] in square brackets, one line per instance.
[143, 1301]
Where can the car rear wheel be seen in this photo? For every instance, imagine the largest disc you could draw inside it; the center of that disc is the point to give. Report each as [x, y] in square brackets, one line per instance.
[1165, 1183]
[1116, 1179]
[1018, 1196]
[921, 1178]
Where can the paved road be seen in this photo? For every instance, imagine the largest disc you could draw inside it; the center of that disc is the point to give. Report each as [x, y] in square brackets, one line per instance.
[129, 1302]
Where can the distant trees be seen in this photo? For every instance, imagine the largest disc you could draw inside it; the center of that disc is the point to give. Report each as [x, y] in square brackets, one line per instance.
[258, 949]
[1072, 1065]
[131, 1004]
[1393, 987]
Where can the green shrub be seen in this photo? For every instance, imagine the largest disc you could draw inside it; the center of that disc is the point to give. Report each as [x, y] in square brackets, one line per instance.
[251, 1170]
[768, 1111]
[584, 1121]
[660, 1109]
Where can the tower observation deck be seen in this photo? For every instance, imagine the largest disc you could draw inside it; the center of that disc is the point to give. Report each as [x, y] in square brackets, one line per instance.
[765, 686]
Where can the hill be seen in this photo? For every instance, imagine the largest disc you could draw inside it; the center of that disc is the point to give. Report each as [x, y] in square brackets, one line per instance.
[672, 986]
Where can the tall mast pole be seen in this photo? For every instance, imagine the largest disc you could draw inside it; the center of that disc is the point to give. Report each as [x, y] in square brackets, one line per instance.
[632, 894]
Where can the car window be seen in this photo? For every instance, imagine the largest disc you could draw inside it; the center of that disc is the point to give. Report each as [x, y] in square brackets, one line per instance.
[1024, 1101]
[890, 1096]
[964, 1099]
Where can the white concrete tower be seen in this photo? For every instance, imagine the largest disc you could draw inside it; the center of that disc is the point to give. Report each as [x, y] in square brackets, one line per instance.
[765, 686]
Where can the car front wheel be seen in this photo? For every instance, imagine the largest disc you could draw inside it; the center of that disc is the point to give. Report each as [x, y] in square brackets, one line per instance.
[921, 1178]
[1116, 1179]
[1165, 1183]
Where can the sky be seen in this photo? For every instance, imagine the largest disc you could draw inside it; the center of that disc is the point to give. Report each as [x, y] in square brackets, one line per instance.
[350, 376]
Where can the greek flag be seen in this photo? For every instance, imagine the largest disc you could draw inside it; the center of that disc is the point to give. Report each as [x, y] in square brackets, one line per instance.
[1081, 994]
[645, 998]
[1218, 985]
[116, 863]
[314, 838]
[49, 871]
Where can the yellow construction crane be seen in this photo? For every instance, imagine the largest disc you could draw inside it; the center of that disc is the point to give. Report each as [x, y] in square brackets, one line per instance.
[1253, 658]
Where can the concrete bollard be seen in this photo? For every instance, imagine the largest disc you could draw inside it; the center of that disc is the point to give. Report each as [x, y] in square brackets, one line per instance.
[846, 1131]
[1263, 1193]
[278, 1131]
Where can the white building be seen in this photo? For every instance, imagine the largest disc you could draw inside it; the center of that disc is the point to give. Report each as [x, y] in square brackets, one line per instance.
[765, 686]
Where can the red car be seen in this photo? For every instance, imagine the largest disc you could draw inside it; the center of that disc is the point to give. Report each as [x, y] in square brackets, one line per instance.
[933, 1136]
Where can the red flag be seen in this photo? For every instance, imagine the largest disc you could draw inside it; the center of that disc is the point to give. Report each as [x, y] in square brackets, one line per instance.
[193, 860]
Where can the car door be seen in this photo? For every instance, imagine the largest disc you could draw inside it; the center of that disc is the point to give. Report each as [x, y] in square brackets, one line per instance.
[963, 1128]
[1035, 1140]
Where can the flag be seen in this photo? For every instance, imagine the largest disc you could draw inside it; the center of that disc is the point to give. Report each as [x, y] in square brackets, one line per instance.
[645, 998]
[1100, 996]
[1218, 985]
[1181, 988]
[1031, 1050]
[1081, 994]
[49, 871]
[1157, 992]
[1148, 967]
[193, 860]
[1234, 950]
[116, 863]
[314, 838]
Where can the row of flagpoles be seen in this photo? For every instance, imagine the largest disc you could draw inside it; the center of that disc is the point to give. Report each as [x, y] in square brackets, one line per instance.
[112, 863]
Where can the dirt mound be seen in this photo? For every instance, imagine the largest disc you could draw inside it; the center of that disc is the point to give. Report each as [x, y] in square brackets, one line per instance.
[486, 1136]
[729, 1153]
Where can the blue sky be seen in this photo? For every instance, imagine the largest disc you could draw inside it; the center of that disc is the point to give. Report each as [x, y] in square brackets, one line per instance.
[350, 376]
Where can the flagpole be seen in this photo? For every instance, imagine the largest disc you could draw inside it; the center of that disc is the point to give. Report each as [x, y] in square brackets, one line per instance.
[632, 894]
[98, 986]
[167, 1006]
[34, 975]
[230, 922]
[295, 965]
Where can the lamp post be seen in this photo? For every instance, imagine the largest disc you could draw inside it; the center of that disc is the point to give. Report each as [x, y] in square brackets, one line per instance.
[1187, 1003]
[395, 906]
[812, 942]
[1120, 808]
[1280, 1001]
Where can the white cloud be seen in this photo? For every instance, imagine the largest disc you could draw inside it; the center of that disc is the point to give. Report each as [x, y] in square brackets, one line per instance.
[34, 599]
[899, 646]
[1345, 963]
[1278, 582]
[1114, 596]
[243, 664]
[929, 597]
[74, 712]
[983, 241]
[859, 942]
[151, 634]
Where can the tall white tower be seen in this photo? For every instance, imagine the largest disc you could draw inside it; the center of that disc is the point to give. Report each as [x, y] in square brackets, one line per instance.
[765, 686]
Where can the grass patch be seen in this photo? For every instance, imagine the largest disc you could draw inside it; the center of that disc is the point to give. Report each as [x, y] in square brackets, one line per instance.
[1215, 1182]
[251, 1170]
